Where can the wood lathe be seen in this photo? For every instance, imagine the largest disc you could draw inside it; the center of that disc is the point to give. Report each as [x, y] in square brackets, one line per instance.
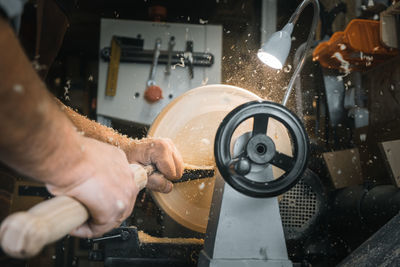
[241, 228]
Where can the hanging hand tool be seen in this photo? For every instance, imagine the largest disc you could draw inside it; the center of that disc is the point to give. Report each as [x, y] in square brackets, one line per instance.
[113, 66]
[153, 92]
[189, 57]
[171, 45]
[119, 44]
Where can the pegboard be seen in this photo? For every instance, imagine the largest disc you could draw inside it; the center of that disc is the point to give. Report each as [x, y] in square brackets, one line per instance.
[129, 104]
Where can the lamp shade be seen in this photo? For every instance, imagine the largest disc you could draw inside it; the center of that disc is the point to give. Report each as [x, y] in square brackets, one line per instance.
[275, 51]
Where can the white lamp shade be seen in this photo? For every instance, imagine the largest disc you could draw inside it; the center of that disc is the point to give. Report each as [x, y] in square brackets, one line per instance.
[275, 51]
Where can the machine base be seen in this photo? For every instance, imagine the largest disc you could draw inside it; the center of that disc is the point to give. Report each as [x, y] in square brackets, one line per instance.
[205, 261]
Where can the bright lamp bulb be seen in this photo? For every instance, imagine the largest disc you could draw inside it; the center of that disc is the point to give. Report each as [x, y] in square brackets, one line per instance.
[275, 51]
[270, 60]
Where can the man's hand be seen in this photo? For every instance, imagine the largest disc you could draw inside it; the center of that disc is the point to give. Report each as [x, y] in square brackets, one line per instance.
[162, 153]
[100, 179]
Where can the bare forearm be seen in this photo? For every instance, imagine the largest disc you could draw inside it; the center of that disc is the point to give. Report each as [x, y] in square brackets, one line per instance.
[35, 134]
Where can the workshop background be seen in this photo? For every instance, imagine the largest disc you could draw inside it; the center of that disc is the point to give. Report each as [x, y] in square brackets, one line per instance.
[351, 189]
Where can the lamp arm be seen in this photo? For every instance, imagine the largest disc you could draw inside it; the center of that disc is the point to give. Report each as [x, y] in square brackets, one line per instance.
[293, 19]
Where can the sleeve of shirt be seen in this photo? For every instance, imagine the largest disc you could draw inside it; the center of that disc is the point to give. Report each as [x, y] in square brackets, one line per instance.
[12, 10]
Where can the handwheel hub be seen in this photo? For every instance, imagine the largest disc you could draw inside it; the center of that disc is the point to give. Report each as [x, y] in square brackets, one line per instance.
[260, 149]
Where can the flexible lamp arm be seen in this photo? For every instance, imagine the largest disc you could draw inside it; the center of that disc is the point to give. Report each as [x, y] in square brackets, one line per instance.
[293, 20]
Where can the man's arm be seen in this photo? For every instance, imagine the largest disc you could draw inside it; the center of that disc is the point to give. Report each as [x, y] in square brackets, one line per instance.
[28, 115]
[38, 140]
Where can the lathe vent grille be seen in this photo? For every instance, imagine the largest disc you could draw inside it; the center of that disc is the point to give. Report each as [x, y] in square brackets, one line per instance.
[298, 206]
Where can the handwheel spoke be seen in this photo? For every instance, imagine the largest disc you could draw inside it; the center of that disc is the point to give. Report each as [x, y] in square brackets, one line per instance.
[260, 124]
[232, 162]
[283, 161]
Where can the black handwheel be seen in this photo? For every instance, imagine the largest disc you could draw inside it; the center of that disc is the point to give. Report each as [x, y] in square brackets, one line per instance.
[259, 151]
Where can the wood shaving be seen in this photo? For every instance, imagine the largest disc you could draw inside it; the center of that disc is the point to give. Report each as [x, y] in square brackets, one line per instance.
[146, 238]
[196, 167]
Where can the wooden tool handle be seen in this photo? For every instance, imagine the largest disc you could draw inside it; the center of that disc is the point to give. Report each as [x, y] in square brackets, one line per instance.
[24, 234]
